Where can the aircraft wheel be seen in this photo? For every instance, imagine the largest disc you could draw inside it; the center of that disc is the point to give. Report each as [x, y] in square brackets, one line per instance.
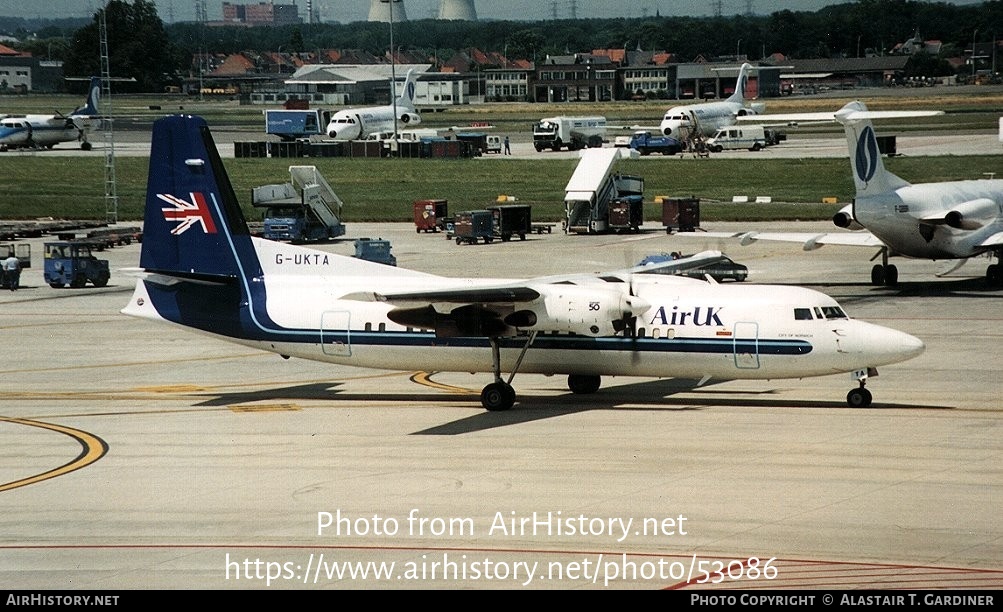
[878, 275]
[994, 276]
[858, 398]
[86, 146]
[497, 396]
[891, 276]
[584, 383]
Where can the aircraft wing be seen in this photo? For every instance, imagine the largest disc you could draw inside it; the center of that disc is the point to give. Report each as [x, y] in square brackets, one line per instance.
[808, 241]
[994, 240]
[792, 119]
[557, 303]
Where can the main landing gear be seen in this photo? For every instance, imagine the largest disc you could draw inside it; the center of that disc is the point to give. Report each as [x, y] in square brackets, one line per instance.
[500, 395]
[883, 274]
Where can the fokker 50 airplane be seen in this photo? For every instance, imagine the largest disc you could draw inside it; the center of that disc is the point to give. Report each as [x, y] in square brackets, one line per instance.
[359, 123]
[46, 131]
[680, 122]
[201, 268]
[952, 220]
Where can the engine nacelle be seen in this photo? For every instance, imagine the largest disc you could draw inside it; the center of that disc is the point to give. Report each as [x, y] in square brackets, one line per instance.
[410, 118]
[844, 219]
[971, 215]
[588, 311]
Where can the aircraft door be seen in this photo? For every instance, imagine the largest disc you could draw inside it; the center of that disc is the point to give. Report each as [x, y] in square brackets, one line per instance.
[335, 334]
[745, 345]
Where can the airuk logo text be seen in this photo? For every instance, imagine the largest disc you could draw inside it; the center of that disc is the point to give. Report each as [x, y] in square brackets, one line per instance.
[698, 315]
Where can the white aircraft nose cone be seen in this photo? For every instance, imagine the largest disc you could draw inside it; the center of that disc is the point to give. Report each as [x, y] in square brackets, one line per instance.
[911, 346]
[893, 346]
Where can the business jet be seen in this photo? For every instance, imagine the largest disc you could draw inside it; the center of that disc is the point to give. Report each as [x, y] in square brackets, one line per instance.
[951, 220]
[704, 118]
[46, 131]
[201, 268]
[360, 123]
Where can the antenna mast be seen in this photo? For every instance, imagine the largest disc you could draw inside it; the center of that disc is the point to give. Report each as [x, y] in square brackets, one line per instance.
[110, 181]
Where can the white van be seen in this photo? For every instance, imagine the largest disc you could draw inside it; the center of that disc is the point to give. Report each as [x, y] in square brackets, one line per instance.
[494, 144]
[751, 137]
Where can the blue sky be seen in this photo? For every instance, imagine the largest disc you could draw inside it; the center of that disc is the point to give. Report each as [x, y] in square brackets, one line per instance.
[356, 10]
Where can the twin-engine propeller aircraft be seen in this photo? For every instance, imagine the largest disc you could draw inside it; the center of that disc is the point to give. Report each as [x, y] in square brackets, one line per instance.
[201, 268]
[46, 131]
[952, 220]
[359, 123]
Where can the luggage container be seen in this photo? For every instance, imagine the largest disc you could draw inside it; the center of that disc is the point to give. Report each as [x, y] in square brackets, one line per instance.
[626, 213]
[375, 249]
[512, 220]
[472, 225]
[680, 214]
[430, 215]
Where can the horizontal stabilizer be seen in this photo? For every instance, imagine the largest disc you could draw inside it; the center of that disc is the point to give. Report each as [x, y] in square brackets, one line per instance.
[168, 280]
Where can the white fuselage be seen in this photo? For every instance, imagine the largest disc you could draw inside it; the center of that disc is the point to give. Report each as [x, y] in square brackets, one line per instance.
[40, 130]
[680, 122]
[691, 329]
[359, 123]
[895, 217]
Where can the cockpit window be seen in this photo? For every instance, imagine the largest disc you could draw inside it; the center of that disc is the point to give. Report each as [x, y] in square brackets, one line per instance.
[802, 314]
[833, 312]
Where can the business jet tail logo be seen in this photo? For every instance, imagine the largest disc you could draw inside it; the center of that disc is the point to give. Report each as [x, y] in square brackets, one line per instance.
[867, 155]
[188, 214]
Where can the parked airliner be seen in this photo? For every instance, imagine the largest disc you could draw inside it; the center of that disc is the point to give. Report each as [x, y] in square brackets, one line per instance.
[201, 268]
[950, 220]
[46, 131]
[704, 118]
[359, 123]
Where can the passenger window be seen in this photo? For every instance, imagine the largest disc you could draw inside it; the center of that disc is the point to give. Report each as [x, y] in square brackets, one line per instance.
[802, 314]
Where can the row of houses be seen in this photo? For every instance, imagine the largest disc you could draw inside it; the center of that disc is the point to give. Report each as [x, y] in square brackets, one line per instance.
[352, 78]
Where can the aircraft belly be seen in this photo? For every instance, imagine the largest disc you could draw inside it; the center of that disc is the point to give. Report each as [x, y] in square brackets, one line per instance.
[474, 355]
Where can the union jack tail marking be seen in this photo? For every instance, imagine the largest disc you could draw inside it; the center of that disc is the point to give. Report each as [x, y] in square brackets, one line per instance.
[188, 213]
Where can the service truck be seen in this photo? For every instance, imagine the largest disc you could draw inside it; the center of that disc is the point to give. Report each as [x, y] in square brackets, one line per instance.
[305, 209]
[573, 133]
[592, 188]
[291, 125]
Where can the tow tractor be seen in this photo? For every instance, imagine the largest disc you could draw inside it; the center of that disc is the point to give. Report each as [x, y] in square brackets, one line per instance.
[68, 262]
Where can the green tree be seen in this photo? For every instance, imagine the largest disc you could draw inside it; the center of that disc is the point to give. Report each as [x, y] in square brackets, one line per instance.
[138, 47]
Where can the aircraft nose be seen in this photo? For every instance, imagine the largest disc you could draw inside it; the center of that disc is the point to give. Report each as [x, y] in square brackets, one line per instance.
[910, 346]
[892, 345]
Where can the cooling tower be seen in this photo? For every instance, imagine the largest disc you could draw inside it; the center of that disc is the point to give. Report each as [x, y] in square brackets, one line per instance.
[380, 11]
[457, 10]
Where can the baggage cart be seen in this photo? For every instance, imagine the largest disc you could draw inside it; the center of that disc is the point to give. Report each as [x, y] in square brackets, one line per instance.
[430, 215]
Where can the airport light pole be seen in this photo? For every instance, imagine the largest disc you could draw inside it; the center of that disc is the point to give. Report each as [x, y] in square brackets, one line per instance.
[975, 36]
[393, 63]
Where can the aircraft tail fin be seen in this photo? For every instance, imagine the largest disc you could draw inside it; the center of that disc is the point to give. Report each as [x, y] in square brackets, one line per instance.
[406, 99]
[743, 80]
[869, 174]
[90, 107]
[193, 226]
